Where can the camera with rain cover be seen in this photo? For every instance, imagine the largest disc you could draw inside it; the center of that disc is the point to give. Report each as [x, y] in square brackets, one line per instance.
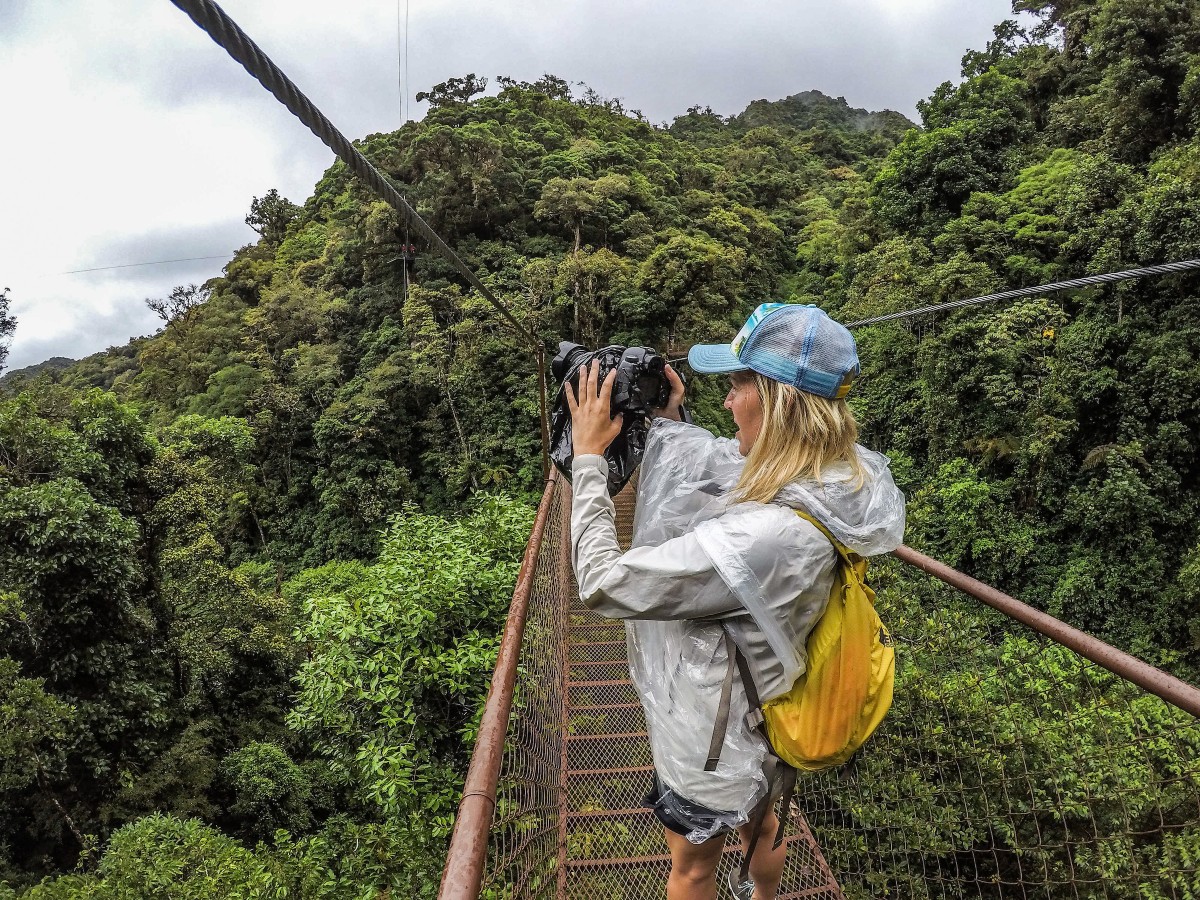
[641, 386]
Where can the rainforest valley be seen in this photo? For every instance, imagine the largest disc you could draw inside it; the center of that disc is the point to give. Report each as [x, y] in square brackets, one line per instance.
[253, 568]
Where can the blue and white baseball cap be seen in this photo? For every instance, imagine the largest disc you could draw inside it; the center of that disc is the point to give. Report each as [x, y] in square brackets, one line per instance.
[794, 344]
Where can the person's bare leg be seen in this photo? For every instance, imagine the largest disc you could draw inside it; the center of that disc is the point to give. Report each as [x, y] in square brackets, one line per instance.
[766, 868]
[693, 867]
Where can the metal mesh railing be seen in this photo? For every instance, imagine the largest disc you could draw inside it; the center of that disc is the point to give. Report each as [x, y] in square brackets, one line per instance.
[523, 852]
[1009, 766]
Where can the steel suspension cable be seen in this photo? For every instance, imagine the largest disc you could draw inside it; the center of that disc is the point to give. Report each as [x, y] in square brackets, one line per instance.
[226, 33]
[1073, 284]
[402, 63]
[407, 81]
[137, 265]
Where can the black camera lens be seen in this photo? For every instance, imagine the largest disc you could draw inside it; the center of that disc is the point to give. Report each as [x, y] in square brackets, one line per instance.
[569, 356]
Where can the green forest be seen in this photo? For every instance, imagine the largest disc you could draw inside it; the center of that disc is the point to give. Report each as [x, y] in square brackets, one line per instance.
[253, 567]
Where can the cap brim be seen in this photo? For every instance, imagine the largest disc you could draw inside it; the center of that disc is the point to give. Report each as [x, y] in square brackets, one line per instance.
[714, 358]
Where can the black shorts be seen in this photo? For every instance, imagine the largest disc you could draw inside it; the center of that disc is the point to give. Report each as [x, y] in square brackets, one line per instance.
[681, 815]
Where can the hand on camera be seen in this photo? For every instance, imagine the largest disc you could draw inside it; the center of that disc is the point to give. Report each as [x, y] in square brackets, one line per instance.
[671, 410]
[593, 428]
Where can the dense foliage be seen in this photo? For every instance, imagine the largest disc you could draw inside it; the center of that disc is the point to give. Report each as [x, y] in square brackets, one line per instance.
[252, 567]
[325, 718]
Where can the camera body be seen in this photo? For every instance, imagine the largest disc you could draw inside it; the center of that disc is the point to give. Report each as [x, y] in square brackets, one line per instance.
[641, 383]
[640, 386]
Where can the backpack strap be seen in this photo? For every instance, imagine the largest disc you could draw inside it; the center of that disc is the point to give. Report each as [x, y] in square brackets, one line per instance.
[733, 657]
[721, 725]
[841, 548]
[754, 718]
[852, 560]
[779, 774]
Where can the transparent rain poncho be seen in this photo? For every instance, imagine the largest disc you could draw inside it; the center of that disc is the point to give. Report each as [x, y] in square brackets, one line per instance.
[778, 568]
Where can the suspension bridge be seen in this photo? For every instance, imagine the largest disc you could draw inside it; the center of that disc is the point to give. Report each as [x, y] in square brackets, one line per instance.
[551, 804]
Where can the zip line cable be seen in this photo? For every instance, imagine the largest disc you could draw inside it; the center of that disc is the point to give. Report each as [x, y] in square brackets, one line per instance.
[226, 33]
[1073, 284]
[407, 82]
[401, 60]
[157, 262]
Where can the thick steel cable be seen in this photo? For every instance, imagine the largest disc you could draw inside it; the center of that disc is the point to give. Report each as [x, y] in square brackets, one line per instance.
[402, 63]
[156, 262]
[226, 33]
[1074, 283]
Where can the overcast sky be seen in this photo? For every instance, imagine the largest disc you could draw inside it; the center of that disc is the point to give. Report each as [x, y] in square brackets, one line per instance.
[130, 137]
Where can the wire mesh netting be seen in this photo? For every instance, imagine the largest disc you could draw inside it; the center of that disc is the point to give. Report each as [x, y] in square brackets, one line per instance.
[569, 821]
[1009, 766]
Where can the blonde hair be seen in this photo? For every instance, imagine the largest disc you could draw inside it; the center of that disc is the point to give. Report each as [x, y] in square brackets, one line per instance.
[801, 434]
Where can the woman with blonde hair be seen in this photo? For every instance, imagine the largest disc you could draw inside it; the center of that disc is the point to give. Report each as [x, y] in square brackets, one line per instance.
[719, 551]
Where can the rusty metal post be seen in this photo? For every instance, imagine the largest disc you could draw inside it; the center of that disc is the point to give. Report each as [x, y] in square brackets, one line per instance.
[1157, 682]
[463, 873]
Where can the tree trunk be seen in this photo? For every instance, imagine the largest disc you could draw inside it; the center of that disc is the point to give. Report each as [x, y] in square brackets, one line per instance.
[86, 848]
[462, 438]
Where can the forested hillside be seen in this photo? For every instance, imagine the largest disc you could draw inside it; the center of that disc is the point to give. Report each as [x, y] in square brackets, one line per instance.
[253, 567]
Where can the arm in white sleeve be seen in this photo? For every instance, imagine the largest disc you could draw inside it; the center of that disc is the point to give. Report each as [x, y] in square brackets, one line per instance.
[674, 580]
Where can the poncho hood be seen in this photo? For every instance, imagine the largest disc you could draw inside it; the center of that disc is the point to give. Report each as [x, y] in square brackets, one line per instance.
[694, 475]
[867, 517]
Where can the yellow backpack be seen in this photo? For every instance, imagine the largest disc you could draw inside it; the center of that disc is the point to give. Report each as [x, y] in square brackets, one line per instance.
[846, 690]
